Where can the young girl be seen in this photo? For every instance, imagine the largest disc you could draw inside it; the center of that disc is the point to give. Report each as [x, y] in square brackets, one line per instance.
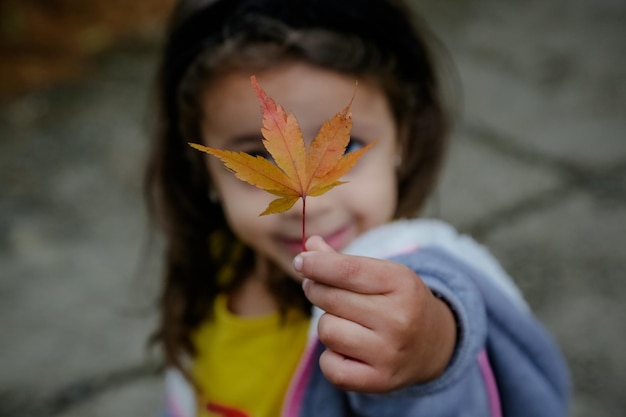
[379, 316]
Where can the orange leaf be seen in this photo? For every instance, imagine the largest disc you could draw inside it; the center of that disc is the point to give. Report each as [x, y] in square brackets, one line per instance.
[296, 172]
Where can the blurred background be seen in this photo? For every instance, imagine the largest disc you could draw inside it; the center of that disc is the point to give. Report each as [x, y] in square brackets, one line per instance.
[537, 172]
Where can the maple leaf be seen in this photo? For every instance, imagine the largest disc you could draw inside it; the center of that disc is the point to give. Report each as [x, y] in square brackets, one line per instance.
[296, 172]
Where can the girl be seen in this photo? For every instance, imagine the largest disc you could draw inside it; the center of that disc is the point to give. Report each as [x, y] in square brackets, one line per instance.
[380, 316]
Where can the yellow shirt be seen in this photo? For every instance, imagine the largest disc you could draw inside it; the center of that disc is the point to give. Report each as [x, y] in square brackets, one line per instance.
[244, 365]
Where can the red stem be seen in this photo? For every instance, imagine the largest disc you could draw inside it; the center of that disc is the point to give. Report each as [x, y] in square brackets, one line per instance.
[303, 223]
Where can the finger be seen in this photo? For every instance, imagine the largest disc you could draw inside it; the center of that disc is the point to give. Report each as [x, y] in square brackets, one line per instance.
[347, 338]
[342, 303]
[354, 273]
[318, 244]
[351, 375]
[356, 358]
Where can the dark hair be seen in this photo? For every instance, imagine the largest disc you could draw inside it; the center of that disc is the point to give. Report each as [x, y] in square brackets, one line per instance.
[376, 40]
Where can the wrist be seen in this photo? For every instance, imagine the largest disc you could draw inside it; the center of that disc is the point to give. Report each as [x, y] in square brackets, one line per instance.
[442, 338]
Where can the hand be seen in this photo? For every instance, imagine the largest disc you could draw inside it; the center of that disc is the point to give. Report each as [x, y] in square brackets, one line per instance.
[383, 328]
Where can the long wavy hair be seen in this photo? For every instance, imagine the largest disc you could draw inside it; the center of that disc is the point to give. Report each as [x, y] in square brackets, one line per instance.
[375, 40]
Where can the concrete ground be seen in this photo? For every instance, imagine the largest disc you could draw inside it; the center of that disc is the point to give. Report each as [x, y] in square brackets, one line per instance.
[537, 173]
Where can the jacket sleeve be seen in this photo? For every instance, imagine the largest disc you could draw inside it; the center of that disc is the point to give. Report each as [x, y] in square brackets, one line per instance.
[529, 372]
[532, 378]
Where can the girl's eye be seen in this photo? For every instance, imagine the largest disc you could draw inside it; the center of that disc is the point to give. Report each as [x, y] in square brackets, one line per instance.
[354, 145]
[260, 152]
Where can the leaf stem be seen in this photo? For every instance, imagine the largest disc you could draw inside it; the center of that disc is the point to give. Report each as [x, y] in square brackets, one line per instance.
[303, 223]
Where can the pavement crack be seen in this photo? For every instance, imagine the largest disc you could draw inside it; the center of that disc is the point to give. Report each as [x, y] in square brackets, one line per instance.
[18, 404]
[605, 185]
[479, 229]
[494, 140]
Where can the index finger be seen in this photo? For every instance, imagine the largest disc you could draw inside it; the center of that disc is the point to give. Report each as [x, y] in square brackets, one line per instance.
[354, 273]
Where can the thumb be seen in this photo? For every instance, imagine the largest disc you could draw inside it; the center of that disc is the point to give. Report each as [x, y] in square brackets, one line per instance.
[317, 243]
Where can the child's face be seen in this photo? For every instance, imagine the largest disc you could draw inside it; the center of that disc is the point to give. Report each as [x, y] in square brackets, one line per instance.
[232, 120]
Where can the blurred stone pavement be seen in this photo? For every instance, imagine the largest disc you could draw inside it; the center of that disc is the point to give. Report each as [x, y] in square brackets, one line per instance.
[537, 172]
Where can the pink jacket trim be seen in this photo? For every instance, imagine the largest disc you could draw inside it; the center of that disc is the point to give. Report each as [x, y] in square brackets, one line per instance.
[493, 397]
[295, 393]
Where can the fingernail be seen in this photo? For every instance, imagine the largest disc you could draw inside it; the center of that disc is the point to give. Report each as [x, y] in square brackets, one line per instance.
[297, 263]
[305, 283]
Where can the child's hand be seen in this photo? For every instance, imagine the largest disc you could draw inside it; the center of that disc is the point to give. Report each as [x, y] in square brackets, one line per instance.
[383, 328]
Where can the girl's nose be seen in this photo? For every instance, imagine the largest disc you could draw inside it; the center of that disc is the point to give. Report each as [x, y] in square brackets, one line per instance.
[311, 207]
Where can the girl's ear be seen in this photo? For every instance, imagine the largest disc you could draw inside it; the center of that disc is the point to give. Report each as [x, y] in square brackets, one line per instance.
[397, 162]
[401, 147]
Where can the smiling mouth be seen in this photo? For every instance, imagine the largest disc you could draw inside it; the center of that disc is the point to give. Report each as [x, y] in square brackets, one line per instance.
[294, 246]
